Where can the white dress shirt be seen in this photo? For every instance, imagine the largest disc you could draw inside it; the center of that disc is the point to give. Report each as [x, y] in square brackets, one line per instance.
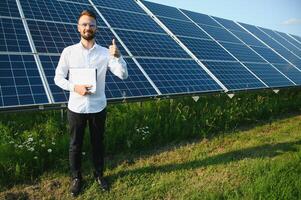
[98, 57]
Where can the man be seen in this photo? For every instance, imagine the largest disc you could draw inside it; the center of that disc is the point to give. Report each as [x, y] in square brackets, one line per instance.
[84, 106]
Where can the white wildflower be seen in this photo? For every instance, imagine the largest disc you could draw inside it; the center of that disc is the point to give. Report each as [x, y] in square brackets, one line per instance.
[49, 150]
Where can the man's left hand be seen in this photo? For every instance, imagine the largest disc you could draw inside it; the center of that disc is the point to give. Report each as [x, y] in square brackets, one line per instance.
[114, 51]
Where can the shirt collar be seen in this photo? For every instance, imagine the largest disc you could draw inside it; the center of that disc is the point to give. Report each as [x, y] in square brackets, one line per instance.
[82, 46]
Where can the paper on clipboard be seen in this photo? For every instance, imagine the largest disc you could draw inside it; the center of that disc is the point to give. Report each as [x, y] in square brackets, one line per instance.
[83, 76]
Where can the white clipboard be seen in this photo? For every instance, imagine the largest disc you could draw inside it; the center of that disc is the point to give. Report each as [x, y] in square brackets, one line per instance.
[83, 76]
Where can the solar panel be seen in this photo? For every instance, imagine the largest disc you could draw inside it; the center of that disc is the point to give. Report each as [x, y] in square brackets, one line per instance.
[165, 11]
[20, 82]
[184, 28]
[242, 52]
[151, 46]
[220, 34]
[262, 36]
[9, 8]
[54, 37]
[206, 49]
[128, 5]
[247, 38]
[164, 67]
[178, 76]
[282, 41]
[200, 18]
[290, 71]
[290, 57]
[127, 20]
[13, 36]
[297, 38]
[269, 55]
[269, 75]
[288, 38]
[56, 11]
[228, 24]
[136, 85]
[233, 75]
[143, 44]
[49, 64]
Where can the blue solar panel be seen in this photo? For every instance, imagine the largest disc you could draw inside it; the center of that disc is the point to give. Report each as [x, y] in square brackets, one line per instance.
[228, 24]
[178, 76]
[201, 18]
[165, 11]
[135, 86]
[282, 41]
[262, 36]
[247, 38]
[183, 28]
[269, 55]
[151, 45]
[291, 40]
[49, 64]
[206, 49]
[290, 57]
[298, 38]
[133, 21]
[9, 8]
[76, 1]
[127, 5]
[13, 36]
[20, 82]
[220, 34]
[234, 75]
[57, 11]
[290, 72]
[269, 75]
[54, 37]
[242, 52]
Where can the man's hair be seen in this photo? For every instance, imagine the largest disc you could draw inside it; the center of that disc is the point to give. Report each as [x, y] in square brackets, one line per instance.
[88, 13]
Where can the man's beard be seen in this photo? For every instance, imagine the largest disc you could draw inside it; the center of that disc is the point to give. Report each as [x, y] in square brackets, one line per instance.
[89, 37]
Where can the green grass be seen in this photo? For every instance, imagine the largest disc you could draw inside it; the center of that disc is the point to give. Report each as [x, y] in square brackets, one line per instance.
[262, 162]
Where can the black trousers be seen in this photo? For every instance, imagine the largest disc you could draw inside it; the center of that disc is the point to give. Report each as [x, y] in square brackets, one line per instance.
[77, 125]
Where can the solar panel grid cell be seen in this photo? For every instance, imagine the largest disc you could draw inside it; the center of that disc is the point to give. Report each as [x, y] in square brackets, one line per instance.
[132, 21]
[206, 49]
[233, 75]
[127, 5]
[13, 36]
[8, 8]
[269, 75]
[178, 76]
[20, 81]
[55, 11]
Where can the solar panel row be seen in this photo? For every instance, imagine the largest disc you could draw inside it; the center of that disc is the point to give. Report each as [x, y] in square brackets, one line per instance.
[240, 56]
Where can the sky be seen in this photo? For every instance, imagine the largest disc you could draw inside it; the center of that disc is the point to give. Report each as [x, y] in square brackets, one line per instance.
[279, 15]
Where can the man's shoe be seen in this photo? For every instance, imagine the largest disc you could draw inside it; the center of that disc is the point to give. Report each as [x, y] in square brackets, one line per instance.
[103, 183]
[76, 186]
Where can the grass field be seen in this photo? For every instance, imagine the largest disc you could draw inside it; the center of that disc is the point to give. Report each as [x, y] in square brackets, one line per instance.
[260, 162]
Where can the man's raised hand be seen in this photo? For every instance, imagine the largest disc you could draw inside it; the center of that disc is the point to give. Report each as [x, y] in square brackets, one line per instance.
[114, 51]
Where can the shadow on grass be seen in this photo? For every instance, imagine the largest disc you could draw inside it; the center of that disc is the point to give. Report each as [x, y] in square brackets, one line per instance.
[264, 151]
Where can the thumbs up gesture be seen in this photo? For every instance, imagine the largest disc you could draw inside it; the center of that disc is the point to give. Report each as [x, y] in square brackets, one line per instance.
[114, 51]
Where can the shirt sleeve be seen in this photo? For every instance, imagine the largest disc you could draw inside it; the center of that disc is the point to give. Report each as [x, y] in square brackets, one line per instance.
[61, 73]
[118, 67]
